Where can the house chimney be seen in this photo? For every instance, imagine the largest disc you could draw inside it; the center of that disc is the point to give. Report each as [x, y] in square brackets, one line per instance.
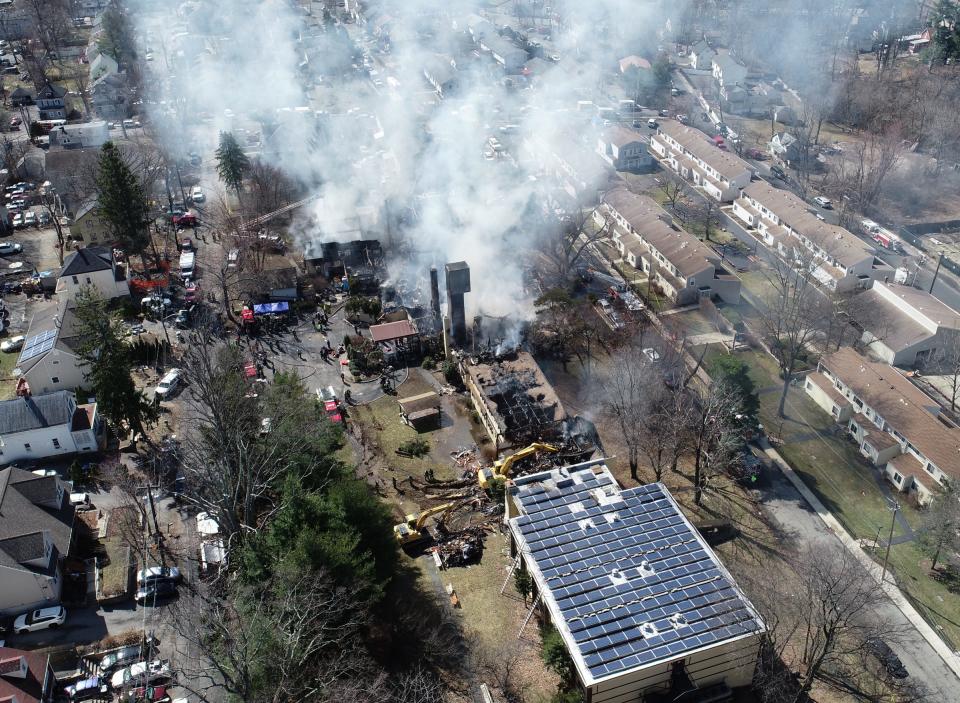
[458, 283]
[434, 292]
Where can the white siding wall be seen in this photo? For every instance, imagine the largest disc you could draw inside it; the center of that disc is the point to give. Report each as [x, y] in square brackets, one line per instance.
[41, 443]
[102, 281]
[57, 365]
[21, 590]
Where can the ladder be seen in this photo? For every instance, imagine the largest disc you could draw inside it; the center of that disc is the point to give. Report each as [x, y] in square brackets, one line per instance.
[513, 567]
[533, 608]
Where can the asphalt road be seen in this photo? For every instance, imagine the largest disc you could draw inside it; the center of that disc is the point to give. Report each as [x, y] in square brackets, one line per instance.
[793, 516]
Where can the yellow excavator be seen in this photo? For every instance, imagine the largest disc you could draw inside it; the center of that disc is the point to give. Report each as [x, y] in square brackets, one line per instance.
[500, 471]
[412, 529]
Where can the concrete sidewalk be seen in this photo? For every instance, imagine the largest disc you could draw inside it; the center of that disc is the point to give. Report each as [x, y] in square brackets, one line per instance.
[949, 657]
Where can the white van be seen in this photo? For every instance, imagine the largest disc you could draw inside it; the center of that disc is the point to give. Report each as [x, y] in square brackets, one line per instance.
[168, 384]
[187, 260]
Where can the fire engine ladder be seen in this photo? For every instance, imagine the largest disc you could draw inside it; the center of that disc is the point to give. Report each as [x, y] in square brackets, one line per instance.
[513, 567]
[533, 609]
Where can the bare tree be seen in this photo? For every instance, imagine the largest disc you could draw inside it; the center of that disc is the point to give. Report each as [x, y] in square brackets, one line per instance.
[566, 246]
[675, 192]
[790, 315]
[629, 384]
[715, 435]
[946, 362]
[941, 525]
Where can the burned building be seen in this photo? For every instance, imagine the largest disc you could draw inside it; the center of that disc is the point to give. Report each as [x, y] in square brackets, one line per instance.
[517, 405]
[361, 259]
[458, 283]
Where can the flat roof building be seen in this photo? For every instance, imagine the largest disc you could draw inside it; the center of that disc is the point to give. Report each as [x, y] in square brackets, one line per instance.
[642, 603]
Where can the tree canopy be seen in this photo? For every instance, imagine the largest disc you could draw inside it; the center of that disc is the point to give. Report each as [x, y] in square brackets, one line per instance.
[121, 201]
[232, 163]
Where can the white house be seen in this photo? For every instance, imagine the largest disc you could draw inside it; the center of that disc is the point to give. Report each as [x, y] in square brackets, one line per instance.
[641, 602]
[625, 149]
[80, 136]
[48, 360]
[701, 56]
[728, 71]
[899, 428]
[36, 529]
[93, 267]
[100, 64]
[37, 427]
[689, 153]
[904, 326]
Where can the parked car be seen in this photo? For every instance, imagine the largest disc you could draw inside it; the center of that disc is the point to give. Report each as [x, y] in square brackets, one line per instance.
[87, 689]
[186, 245]
[233, 258]
[141, 673]
[168, 384]
[651, 354]
[40, 619]
[30, 219]
[155, 590]
[192, 293]
[13, 344]
[8, 248]
[18, 221]
[197, 195]
[652, 123]
[823, 202]
[146, 694]
[886, 656]
[119, 657]
[44, 218]
[185, 220]
[778, 173]
[158, 573]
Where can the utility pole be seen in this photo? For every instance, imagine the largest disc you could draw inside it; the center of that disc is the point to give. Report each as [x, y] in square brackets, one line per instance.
[895, 507]
[936, 273]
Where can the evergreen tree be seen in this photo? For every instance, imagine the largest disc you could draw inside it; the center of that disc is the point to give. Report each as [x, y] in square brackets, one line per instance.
[121, 202]
[106, 353]
[116, 36]
[232, 163]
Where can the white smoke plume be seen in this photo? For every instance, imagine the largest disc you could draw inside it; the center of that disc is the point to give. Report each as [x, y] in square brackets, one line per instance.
[360, 140]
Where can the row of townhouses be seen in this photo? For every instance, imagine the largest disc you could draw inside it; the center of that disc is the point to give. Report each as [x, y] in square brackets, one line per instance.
[900, 429]
[682, 266]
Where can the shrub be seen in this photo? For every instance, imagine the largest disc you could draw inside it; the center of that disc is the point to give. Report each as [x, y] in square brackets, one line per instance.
[428, 363]
[451, 373]
[416, 447]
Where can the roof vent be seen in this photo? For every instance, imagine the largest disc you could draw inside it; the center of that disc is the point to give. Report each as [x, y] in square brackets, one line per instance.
[587, 525]
[678, 620]
[645, 569]
[648, 629]
[617, 577]
[577, 507]
[612, 517]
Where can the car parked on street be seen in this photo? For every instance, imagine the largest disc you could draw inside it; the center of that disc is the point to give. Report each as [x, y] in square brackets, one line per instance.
[155, 590]
[185, 220]
[168, 384]
[823, 202]
[41, 619]
[7, 248]
[141, 674]
[119, 657]
[158, 573]
[887, 657]
[93, 688]
[196, 195]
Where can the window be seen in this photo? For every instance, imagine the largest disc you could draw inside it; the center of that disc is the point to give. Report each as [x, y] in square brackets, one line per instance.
[54, 379]
[89, 282]
[76, 281]
[897, 478]
[56, 443]
[26, 445]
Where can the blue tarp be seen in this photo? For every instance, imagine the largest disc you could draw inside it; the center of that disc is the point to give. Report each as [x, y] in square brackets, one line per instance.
[270, 308]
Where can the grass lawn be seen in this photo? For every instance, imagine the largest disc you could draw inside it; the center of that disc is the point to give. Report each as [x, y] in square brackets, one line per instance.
[832, 467]
[492, 621]
[115, 575]
[7, 382]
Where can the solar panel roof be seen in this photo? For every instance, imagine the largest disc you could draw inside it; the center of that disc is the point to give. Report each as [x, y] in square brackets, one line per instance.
[629, 581]
[37, 345]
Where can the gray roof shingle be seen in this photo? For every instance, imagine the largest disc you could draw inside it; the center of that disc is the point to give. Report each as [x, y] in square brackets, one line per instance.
[34, 412]
[86, 261]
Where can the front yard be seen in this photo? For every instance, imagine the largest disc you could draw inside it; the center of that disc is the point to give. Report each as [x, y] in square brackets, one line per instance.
[831, 465]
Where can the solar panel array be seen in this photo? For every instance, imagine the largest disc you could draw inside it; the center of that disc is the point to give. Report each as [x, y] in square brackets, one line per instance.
[40, 344]
[632, 581]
